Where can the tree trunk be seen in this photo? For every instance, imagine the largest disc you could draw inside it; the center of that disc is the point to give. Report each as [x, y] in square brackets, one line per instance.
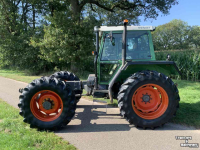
[75, 7]
[25, 17]
[33, 8]
[22, 18]
[74, 67]
[76, 11]
[52, 9]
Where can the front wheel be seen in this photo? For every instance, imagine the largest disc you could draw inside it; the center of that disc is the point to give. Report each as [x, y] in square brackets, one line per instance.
[68, 76]
[148, 99]
[47, 103]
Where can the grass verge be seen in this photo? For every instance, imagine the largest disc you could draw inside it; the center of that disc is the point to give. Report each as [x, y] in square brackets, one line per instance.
[188, 113]
[18, 75]
[14, 134]
[189, 109]
[27, 77]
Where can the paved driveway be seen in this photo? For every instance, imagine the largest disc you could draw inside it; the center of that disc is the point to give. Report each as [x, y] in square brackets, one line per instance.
[93, 129]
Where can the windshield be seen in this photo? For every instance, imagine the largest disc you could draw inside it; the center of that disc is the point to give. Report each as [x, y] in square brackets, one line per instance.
[137, 46]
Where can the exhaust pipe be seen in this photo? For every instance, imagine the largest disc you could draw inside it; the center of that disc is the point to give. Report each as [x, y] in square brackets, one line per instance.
[123, 62]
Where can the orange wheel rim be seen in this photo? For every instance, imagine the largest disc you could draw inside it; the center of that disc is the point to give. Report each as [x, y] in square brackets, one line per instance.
[150, 101]
[46, 105]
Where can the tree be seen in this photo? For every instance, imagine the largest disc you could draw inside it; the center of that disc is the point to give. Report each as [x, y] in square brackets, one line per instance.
[75, 21]
[112, 18]
[180, 31]
[17, 25]
[194, 35]
[172, 35]
[143, 7]
[37, 35]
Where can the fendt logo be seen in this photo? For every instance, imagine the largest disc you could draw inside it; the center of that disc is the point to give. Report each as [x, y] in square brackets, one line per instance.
[186, 144]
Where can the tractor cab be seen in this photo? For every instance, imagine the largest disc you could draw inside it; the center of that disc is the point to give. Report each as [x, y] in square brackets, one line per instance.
[138, 44]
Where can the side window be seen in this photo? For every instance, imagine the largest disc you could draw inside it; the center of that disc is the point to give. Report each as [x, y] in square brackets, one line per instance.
[132, 44]
[138, 45]
[143, 43]
[112, 51]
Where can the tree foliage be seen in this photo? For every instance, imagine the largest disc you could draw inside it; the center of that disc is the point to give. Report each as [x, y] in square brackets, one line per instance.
[194, 35]
[41, 35]
[173, 35]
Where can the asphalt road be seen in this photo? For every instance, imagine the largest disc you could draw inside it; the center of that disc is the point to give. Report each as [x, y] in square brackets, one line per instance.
[93, 129]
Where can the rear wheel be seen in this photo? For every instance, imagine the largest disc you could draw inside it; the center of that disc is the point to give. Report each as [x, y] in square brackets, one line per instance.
[148, 99]
[68, 76]
[47, 103]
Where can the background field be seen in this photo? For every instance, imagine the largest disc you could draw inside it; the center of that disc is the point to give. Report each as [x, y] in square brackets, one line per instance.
[188, 62]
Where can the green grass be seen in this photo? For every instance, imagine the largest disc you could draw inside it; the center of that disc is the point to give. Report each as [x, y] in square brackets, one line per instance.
[188, 113]
[189, 109]
[18, 75]
[14, 134]
[27, 77]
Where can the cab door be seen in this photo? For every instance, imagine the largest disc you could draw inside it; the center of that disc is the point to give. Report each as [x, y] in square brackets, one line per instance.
[110, 57]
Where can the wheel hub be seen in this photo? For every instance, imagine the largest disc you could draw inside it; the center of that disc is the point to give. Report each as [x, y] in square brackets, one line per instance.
[47, 105]
[146, 98]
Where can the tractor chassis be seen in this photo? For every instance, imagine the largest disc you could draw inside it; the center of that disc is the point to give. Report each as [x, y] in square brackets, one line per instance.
[88, 86]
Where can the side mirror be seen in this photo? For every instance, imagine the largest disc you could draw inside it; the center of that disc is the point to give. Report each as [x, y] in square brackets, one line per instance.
[112, 39]
[110, 36]
[168, 57]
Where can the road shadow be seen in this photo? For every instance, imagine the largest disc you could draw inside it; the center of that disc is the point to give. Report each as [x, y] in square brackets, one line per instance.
[89, 115]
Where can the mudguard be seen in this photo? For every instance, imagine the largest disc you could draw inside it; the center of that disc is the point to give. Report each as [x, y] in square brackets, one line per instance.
[165, 67]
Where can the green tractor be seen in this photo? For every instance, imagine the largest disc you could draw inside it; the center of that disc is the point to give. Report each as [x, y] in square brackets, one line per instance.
[125, 69]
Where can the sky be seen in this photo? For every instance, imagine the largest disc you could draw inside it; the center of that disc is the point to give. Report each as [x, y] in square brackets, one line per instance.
[186, 10]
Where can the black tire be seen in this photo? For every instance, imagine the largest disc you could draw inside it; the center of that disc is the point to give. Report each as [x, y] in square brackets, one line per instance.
[65, 75]
[133, 83]
[54, 85]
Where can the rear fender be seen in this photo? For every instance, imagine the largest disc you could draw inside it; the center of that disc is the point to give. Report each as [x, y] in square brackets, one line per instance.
[165, 67]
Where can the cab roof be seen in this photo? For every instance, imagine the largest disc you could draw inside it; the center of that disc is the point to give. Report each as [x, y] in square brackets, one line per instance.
[121, 28]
